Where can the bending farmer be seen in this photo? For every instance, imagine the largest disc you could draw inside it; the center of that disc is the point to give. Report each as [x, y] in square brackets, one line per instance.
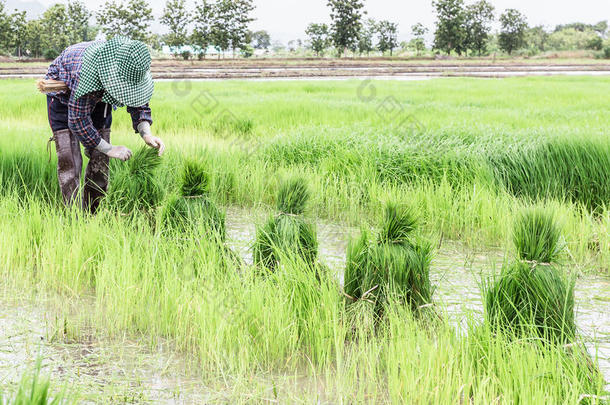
[83, 85]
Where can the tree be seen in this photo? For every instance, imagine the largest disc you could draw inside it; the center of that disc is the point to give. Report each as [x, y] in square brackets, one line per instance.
[479, 17]
[537, 38]
[367, 36]
[239, 23]
[131, 18]
[5, 28]
[34, 38]
[512, 33]
[388, 36]
[56, 34]
[601, 28]
[261, 40]
[450, 34]
[176, 18]
[78, 17]
[419, 31]
[318, 37]
[19, 30]
[203, 18]
[346, 16]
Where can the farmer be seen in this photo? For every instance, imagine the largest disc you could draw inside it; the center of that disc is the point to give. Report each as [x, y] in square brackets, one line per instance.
[83, 85]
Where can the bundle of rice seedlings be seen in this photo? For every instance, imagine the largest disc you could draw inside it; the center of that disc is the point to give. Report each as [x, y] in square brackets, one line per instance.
[532, 295]
[134, 185]
[393, 267]
[287, 233]
[193, 207]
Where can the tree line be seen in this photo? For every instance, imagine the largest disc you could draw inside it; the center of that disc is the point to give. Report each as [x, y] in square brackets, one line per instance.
[460, 28]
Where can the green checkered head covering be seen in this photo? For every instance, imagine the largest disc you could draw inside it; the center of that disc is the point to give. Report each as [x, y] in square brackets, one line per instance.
[121, 68]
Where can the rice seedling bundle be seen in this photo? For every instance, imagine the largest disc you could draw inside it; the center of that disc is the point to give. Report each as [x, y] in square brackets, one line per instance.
[134, 185]
[532, 295]
[193, 207]
[395, 266]
[287, 232]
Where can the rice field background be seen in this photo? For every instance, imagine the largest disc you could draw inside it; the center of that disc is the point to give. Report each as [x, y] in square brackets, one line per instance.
[466, 156]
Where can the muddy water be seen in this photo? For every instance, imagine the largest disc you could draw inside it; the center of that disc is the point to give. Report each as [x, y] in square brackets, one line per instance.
[126, 370]
[457, 273]
[87, 369]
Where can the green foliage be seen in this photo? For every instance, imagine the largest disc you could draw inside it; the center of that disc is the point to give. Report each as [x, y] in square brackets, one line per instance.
[399, 222]
[33, 389]
[513, 29]
[318, 37]
[532, 300]
[532, 296]
[285, 236]
[287, 233]
[131, 18]
[261, 40]
[346, 17]
[536, 236]
[419, 32]
[571, 39]
[177, 19]
[388, 36]
[135, 186]
[194, 180]
[292, 196]
[450, 35]
[479, 17]
[192, 213]
[572, 169]
[394, 268]
[222, 24]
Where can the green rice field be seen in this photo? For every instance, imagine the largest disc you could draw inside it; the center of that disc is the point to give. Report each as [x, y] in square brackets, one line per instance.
[465, 156]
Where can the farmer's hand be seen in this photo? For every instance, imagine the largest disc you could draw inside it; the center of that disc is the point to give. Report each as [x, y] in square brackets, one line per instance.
[147, 136]
[119, 152]
[154, 142]
[116, 152]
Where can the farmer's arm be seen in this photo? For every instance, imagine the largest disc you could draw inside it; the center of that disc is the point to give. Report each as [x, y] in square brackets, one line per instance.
[141, 118]
[81, 125]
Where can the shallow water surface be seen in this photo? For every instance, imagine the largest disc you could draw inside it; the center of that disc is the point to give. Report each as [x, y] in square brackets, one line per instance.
[456, 272]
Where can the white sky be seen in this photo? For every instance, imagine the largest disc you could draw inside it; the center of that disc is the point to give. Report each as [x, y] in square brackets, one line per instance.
[287, 19]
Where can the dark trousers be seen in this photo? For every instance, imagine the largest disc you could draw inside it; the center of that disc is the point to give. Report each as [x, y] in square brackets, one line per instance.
[70, 160]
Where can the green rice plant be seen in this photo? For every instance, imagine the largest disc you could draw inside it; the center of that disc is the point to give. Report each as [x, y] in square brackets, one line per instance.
[193, 207]
[287, 232]
[134, 185]
[572, 169]
[183, 213]
[532, 300]
[394, 267]
[532, 295]
[194, 180]
[536, 236]
[33, 390]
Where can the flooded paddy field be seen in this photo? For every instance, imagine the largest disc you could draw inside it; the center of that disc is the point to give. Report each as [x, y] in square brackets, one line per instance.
[122, 308]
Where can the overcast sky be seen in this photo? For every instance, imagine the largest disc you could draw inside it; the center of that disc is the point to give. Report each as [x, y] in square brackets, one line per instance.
[287, 19]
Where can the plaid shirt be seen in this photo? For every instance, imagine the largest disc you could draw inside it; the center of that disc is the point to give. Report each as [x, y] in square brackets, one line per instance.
[66, 68]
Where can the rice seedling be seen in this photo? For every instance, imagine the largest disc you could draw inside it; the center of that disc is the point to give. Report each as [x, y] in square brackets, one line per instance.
[393, 267]
[134, 185]
[193, 207]
[532, 295]
[33, 389]
[287, 232]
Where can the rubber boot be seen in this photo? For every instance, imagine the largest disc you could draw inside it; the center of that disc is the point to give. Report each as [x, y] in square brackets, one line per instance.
[69, 165]
[96, 176]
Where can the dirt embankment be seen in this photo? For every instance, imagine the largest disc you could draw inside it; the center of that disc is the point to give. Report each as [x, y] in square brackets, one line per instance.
[346, 68]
